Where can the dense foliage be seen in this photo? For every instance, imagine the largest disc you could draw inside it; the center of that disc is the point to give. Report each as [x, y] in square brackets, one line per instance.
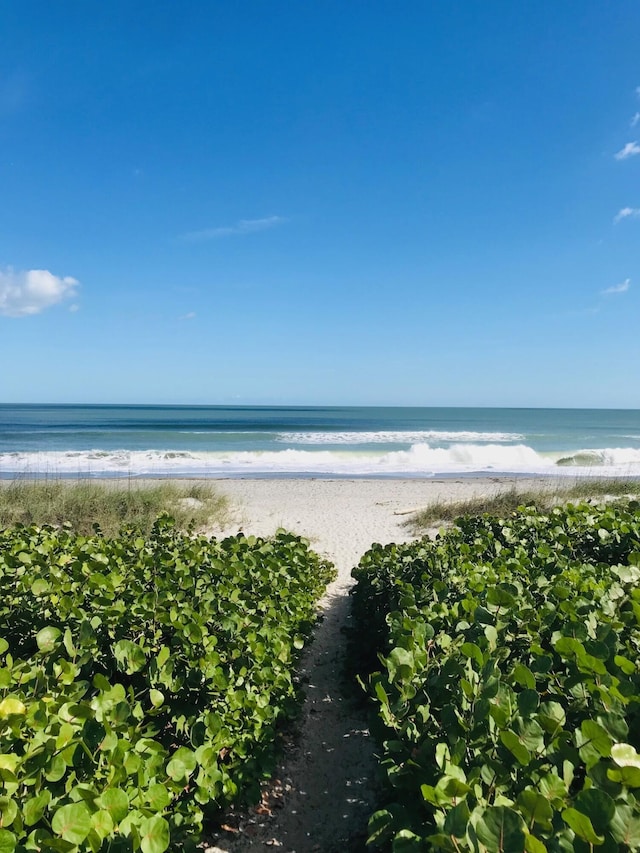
[142, 680]
[509, 689]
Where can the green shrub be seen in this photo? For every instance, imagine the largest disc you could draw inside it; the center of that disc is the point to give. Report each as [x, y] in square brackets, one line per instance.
[509, 685]
[143, 680]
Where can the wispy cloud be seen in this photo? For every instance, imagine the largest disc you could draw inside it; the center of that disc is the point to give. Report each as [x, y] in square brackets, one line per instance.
[243, 226]
[618, 288]
[190, 315]
[23, 293]
[624, 213]
[635, 120]
[629, 150]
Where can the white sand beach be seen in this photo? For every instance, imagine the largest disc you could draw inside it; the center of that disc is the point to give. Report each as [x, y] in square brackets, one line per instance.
[342, 518]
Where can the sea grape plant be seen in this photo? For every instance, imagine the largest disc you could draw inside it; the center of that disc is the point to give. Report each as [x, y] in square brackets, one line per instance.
[143, 680]
[508, 682]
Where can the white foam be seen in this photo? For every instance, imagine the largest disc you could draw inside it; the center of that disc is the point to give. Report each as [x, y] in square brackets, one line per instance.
[469, 457]
[419, 460]
[394, 437]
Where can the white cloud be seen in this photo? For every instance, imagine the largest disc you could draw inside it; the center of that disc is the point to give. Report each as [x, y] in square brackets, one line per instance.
[243, 226]
[626, 212]
[618, 288]
[189, 316]
[629, 150]
[635, 120]
[32, 291]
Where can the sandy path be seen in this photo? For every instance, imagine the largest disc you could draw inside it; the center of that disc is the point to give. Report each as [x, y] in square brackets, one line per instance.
[326, 782]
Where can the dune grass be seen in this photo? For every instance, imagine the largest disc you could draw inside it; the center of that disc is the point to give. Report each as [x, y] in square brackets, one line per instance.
[509, 500]
[111, 505]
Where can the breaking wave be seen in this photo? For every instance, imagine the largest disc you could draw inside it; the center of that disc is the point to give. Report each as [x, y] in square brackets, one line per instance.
[608, 457]
[418, 460]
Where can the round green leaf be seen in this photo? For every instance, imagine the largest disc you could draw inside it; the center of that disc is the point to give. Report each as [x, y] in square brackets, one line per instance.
[457, 820]
[72, 822]
[47, 638]
[523, 675]
[8, 811]
[625, 827]
[39, 587]
[629, 776]
[12, 706]
[129, 656]
[102, 823]
[7, 841]
[182, 764]
[400, 664]
[534, 845]
[34, 808]
[154, 835]
[9, 762]
[598, 805]
[625, 755]
[627, 666]
[380, 826]
[553, 788]
[535, 808]
[616, 725]
[3, 645]
[582, 826]
[116, 802]
[530, 735]
[528, 701]
[193, 633]
[158, 797]
[596, 742]
[452, 787]
[512, 742]
[56, 769]
[157, 698]
[551, 717]
[498, 596]
[501, 829]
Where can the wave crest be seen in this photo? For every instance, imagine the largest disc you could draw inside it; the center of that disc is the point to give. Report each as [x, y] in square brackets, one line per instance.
[419, 460]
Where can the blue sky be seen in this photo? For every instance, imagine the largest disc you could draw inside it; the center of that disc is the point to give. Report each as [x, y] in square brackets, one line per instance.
[323, 202]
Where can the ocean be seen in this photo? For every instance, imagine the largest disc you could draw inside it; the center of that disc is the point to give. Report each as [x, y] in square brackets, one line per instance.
[322, 441]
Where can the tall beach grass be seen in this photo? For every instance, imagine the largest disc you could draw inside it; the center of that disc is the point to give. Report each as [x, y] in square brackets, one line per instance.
[110, 504]
[508, 500]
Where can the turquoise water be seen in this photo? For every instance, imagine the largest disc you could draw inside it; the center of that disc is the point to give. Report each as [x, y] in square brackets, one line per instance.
[314, 441]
